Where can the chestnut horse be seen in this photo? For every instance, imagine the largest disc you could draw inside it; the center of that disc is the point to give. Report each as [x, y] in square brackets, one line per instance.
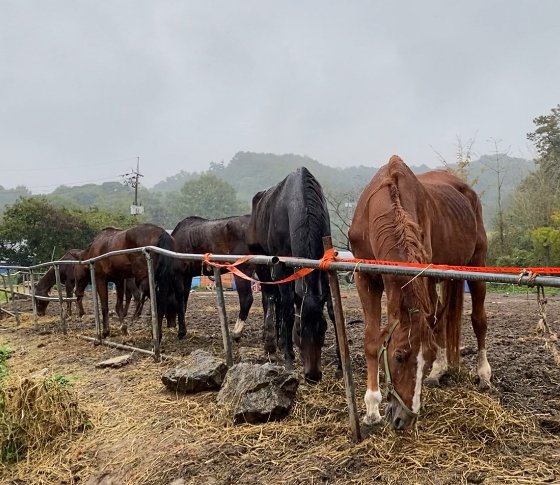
[67, 279]
[430, 218]
[290, 219]
[221, 236]
[132, 265]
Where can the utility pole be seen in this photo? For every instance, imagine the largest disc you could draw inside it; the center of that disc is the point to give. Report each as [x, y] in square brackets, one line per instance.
[131, 179]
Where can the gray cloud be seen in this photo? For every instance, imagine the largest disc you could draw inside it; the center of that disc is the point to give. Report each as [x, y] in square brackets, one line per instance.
[87, 86]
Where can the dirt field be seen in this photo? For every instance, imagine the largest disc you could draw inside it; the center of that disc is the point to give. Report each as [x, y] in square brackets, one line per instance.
[143, 434]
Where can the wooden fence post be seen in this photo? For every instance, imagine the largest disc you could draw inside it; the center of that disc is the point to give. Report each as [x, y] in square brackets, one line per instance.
[343, 348]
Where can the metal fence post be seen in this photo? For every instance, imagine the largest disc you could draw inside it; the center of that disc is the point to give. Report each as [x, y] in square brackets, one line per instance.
[60, 297]
[33, 300]
[343, 349]
[14, 302]
[223, 316]
[98, 330]
[156, 330]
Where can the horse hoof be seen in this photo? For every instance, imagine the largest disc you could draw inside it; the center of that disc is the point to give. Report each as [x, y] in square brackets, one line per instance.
[431, 382]
[269, 347]
[181, 335]
[236, 336]
[124, 330]
[338, 374]
[371, 421]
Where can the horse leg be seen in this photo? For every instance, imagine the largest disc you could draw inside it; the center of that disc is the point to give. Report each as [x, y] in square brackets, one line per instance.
[69, 289]
[480, 326]
[181, 292]
[245, 295]
[269, 301]
[127, 297]
[119, 306]
[286, 291]
[440, 365]
[370, 290]
[101, 284]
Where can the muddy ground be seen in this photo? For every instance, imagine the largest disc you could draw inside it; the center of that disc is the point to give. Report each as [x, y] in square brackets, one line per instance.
[144, 434]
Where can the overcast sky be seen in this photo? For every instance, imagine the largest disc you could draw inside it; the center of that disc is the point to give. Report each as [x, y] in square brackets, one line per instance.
[86, 86]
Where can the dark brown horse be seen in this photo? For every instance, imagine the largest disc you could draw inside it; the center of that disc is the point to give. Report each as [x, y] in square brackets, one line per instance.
[291, 219]
[220, 236]
[431, 218]
[118, 268]
[67, 279]
[48, 280]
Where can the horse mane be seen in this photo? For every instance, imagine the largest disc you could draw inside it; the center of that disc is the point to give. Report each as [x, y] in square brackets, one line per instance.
[314, 222]
[408, 232]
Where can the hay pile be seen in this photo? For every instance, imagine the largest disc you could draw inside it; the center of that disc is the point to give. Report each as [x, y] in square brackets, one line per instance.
[36, 413]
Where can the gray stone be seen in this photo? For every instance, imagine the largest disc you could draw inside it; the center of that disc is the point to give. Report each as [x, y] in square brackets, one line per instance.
[115, 362]
[258, 393]
[200, 372]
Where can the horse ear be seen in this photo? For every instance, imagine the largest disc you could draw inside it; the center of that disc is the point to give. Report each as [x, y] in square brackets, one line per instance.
[257, 197]
[76, 254]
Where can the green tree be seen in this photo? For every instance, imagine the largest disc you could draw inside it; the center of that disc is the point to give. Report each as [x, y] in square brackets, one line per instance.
[546, 138]
[546, 241]
[210, 197]
[33, 230]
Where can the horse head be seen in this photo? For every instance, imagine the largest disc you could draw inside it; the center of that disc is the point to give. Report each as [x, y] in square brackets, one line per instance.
[407, 349]
[309, 331]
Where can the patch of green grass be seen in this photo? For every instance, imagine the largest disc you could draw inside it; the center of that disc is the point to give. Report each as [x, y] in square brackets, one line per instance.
[62, 380]
[5, 353]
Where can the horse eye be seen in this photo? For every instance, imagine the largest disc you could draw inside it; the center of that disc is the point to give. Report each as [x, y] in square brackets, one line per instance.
[400, 356]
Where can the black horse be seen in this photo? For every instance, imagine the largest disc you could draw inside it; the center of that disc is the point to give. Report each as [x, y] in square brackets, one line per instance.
[220, 236]
[291, 219]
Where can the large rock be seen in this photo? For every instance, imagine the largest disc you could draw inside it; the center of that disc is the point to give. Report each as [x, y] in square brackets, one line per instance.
[258, 393]
[200, 372]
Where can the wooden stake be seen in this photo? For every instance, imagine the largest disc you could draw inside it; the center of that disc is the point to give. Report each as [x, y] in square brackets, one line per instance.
[343, 348]
[223, 316]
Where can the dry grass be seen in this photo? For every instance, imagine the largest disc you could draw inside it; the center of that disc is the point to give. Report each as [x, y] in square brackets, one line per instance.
[35, 413]
[150, 436]
[142, 434]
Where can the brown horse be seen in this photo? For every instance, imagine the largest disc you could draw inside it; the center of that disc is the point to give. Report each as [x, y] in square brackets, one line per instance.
[133, 265]
[221, 236]
[431, 218]
[67, 279]
[48, 280]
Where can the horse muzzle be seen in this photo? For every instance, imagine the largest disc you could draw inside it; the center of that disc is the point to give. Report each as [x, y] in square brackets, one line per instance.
[398, 416]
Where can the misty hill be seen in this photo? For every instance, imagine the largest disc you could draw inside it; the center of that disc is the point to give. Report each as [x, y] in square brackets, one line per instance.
[250, 172]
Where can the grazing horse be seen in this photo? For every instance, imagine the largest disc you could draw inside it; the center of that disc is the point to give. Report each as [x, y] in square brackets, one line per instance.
[220, 236]
[430, 218]
[291, 219]
[133, 265]
[48, 280]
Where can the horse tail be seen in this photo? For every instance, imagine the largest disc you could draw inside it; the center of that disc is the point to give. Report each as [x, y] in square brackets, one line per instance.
[453, 292]
[164, 277]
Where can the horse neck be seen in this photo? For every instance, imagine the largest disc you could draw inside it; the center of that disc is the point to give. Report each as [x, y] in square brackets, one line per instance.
[45, 284]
